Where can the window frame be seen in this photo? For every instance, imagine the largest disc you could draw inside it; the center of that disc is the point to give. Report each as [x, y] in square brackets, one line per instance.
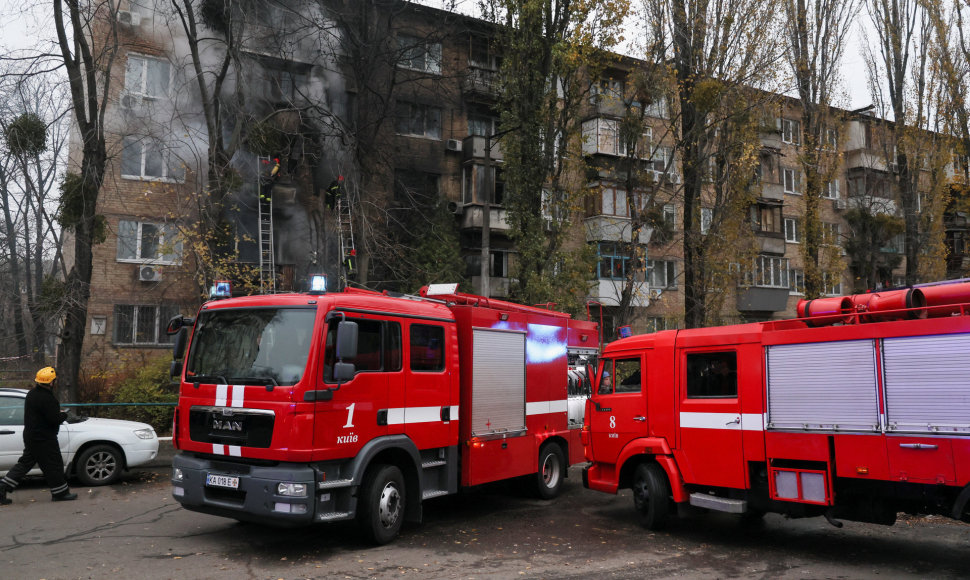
[172, 173]
[164, 231]
[430, 53]
[161, 338]
[793, 234]
[699, 371]
[427, 125]
[142, 92]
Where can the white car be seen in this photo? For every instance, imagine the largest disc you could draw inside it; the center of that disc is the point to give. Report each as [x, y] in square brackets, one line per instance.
[94, 450]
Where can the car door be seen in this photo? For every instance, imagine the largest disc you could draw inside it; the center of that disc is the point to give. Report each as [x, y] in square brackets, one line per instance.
[11, 430]
[618, 411]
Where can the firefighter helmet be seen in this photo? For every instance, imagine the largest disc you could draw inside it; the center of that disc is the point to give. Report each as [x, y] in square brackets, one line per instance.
[45, 376]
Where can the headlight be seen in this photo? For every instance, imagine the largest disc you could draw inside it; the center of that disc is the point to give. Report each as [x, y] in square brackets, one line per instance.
[177, 474]
[291, 489]
[147, 433]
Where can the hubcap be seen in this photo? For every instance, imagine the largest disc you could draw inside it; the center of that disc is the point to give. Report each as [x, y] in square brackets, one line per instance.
[550, 471]
[100, 466]
[390, 506]
[640, 494]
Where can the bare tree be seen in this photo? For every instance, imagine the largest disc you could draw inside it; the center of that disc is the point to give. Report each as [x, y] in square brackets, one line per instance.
[717, 51]
[815, 34]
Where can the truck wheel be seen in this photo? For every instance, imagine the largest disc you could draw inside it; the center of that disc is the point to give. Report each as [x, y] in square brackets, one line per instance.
[552, 471]
[651, 495]
[381, 513]
[99, 465]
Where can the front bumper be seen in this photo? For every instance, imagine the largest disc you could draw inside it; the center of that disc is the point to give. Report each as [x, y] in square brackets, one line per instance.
[256, 498]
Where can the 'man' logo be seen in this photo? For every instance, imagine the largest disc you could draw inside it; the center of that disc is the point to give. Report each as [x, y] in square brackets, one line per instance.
[227, 425]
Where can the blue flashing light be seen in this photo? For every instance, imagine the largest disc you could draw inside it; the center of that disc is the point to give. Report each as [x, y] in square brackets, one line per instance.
[625, 331]
[221, 289]
[318, 284]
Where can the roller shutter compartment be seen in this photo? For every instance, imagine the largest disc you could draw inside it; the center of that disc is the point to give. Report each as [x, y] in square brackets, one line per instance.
[498, 375]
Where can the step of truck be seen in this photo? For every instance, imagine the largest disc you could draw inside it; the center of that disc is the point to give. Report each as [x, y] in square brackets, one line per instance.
[721, 504]
[433, 493]
[334, 516]
[334, 483]
[433, 463]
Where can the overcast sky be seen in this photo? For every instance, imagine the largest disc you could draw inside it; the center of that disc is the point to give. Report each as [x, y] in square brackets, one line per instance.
[25, 25]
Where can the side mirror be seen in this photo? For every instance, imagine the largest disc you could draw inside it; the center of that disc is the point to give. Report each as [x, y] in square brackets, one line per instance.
[343, 372]
[346, 341]
[175, 369]
[178, 348]
[178, 322]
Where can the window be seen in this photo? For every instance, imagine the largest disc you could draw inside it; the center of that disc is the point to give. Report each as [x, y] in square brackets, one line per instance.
[657, 109]
[620, 376]
[831, 234]
[142, 324]
[661, 273]
[658, 323]
[144, 158]
[419, 54]
[831, 190]
[614, 202]
[707, 217]
[712, 375]
[555, 205]
[614, 263]
[670, 216]
[832, 284]
[144, 242]
[793, 181]
[831, 140]
[766, 218]
[482, 125]
[793, 231]
[283, 86]
[378, 347]
[415, 186]
[481, 54]
[427, 347]
[769, 272]
[11, 410]
[609, 88]
[791, 131]
[797, 278]
[603, 136]
[418, 120]
[498, 264]
[146, 79]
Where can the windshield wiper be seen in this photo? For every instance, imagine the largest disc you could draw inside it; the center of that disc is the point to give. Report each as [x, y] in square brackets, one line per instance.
[267, 381]
[214, 379]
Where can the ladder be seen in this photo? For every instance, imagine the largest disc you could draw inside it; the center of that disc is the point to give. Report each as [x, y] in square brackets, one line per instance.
[267, 255]
[345, 228]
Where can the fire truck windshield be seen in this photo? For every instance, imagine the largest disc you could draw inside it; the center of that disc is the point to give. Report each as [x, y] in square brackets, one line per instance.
[266, 346]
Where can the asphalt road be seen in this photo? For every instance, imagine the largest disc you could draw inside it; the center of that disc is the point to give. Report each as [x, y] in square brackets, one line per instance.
[135, 529]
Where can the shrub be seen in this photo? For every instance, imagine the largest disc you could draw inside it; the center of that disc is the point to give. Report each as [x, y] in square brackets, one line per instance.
[149, 384]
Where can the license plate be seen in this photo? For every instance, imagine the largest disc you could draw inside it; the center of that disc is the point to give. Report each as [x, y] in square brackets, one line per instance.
[222, 481]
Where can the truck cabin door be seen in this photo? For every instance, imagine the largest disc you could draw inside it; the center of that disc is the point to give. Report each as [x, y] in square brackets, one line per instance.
[710, 419]
[618, 410]
[358, 411]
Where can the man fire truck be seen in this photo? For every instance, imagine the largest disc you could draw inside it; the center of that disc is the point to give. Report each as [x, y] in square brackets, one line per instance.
[304, 408]
[858, 409]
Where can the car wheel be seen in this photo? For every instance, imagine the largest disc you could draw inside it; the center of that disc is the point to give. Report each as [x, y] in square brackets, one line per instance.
[99, 465]
[382, 502]
[651, 495]
[552, 471]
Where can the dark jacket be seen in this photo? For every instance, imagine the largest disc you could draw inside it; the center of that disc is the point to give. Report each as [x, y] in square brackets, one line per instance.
[42, 415]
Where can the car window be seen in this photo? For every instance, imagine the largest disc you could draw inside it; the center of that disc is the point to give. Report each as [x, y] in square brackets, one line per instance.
[11, 410]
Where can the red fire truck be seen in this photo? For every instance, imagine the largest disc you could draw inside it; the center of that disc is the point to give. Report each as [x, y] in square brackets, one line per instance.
[858, 409]
[304, 408]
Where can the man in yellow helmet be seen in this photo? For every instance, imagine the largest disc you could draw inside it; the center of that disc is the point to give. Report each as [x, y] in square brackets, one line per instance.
[42, 420]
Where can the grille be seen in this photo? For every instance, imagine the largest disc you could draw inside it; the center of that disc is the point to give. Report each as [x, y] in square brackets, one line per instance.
[243, 427]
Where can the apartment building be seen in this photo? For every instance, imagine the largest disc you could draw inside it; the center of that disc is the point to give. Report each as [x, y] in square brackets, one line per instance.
[398, 128]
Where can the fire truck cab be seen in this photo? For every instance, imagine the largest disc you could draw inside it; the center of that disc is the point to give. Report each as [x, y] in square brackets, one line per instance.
[857, 410]
[305, 408]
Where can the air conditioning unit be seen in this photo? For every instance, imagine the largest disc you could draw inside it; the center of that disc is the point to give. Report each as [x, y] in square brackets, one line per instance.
[149, 274]
[128, 101]
[453, 145]
[126, 18]
[840, 204]
[455, 207]
[673, 178]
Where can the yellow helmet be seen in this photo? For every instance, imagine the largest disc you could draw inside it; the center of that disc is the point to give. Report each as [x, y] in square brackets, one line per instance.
[45, 375]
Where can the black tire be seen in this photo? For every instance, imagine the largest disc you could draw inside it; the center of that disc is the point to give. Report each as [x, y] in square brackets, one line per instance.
[381, 504]
[99, 465]
[651, 495]
[552, 471]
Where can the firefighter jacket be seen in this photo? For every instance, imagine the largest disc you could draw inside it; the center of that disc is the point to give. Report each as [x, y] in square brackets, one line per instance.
[42, 415]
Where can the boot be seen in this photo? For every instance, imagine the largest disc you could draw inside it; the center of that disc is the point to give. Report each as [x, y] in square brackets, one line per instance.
[66, 496]
[4, 500]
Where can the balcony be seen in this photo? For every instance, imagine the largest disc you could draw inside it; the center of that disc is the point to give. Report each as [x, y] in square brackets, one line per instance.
[607, 292]
[762, 299]
[865, 159]
[610, 228]
[473, 147]
[481, 82]
[498, 287]
[471, 217]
